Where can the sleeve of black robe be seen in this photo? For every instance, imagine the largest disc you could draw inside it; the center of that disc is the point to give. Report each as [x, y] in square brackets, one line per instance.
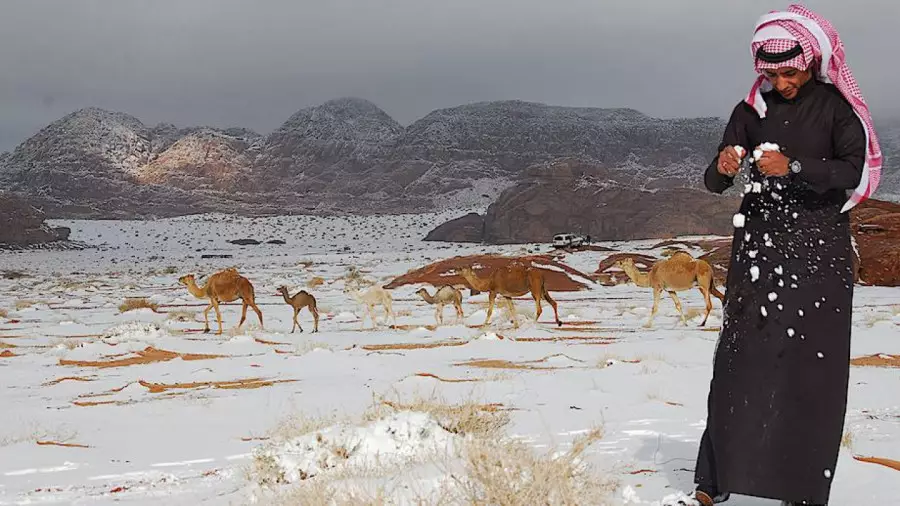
[735, 135]
[844, 169]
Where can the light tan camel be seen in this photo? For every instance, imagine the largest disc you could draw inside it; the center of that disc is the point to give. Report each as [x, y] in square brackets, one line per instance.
[444, 295]
[677, 273]
[223, 286]
[374, 296]
[513, 280]
[300, 300]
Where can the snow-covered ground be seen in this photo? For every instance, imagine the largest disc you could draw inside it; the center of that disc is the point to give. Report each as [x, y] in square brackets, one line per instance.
[100, 406]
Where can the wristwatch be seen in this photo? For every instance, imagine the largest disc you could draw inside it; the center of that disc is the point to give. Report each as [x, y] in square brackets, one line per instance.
[795, 166]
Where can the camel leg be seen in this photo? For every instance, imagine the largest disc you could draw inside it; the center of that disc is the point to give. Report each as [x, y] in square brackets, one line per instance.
[459, 311]
[437, 316]
[706, 298]
[218, 316]
[677, 302]
[315, 313]
[258, 314]
[206, 317]
[491, 297]
[512, 312]
[553, 304]
[371, 311]
[243, 315]
[657, 292]
[296, 323]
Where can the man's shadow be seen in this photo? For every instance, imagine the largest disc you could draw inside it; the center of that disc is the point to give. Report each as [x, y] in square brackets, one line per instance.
[676, 459]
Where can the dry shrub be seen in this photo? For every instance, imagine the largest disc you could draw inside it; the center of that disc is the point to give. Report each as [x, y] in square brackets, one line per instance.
[24, 304]
[318, 493]
[298, 425]
[315, 282]
[131, 304]
[470, 418]
[182, 316]
[4, 313]
[12, 274]
[847, 440]
[510, 473]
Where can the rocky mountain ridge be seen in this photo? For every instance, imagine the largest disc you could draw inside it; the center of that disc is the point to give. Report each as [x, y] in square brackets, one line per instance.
[348, 155]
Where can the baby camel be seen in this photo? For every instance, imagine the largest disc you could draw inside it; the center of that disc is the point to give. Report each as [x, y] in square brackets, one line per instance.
[299, 301]
[444, 295]
[223, 286]
[372, 297]
[513, 280]
[677, 273]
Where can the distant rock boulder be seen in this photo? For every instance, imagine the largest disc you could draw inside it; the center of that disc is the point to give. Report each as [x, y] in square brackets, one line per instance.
[244, 242]
[876, 230]
[22, 225]
[468, 228]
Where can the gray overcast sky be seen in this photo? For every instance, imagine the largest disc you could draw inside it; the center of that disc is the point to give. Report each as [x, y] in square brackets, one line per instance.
[254, 63]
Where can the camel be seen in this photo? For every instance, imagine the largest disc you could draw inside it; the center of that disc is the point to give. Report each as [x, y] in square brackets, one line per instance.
[513, 280]
[444, 295]
[372, 297]
[302, 299]
[677, 273]
[223, 286]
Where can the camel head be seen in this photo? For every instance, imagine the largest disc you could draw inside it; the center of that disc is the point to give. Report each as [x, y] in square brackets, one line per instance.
[421, 291]
[282, 290]
[466, 271]
[187, 280]
[625, 263]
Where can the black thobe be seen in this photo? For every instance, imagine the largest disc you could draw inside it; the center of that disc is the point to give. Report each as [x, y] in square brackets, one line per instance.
[778, 394]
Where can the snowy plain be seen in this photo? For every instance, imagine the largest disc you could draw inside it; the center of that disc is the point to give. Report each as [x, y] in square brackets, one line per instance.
[139, 407]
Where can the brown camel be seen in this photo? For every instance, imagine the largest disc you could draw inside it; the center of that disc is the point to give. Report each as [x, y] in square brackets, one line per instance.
[223, 286]
[677, 273]
[444, 295]
[513, 280]
[299, 301]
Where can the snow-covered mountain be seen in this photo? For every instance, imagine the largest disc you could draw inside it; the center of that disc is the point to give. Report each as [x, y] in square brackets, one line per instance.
[349, 155]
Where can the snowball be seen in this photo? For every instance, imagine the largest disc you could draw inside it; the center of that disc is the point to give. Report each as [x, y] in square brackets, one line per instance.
[754, 273]
[820, 355]
[772, 296]
[779, 270]
[763, 311]
[790, 332]
[757, 187]
[738, 220]
[752, 253]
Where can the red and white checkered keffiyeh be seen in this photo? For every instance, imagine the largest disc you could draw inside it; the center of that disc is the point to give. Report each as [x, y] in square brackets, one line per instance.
[823, 49]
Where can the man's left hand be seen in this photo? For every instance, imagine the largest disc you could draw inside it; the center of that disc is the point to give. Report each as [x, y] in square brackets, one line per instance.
[773, 164]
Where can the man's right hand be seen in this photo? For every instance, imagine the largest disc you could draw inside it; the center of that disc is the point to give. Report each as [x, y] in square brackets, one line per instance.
[729, 162]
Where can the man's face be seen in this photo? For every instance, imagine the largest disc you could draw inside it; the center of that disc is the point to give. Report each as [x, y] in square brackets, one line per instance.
[787, 80]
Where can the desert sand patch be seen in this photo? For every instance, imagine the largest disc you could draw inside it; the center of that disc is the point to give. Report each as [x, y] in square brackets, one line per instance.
[148, 355]
[878, 360]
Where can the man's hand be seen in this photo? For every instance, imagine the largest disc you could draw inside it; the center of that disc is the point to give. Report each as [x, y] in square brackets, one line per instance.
[729, 162]
[773, 164]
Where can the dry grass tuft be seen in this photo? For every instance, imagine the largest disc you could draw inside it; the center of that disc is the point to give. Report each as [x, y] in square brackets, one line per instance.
[469, 418]
[847, 440]
[328, 492]
[182, 316]
[132, 304]
[4, 313]
[509, 472]
[308, 346]
[315, 282]
[24, 304]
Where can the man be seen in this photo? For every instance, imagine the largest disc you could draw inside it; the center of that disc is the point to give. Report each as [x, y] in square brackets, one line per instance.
[778, 394]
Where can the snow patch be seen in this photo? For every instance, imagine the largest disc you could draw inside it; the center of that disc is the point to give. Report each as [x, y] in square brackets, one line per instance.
[401, 437]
